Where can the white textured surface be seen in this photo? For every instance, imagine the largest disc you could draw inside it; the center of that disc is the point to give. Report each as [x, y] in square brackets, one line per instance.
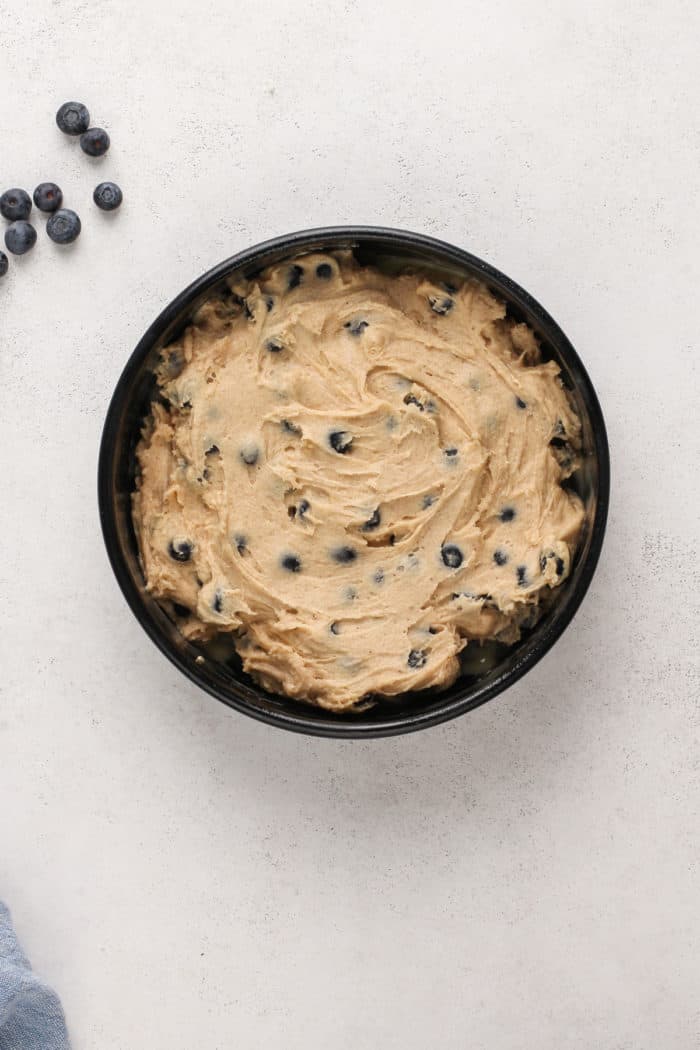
[524, 877]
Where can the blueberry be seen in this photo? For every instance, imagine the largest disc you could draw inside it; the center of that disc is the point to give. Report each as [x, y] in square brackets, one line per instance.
[269, 302]
[274, 346]
[249, 455]
[334, 627]
[20, 237]
[356, 327]
[15, 204]
[451, 452]
[373, 522]
[48, 196]
[344, 555]
[500, 557]
[64, 226]
[291, 563]
[94, 142]
[428, 501]
[295, 275]
[73, 118]
[324, 271]
[241, 543]
[379, 576]
[452, 556]
[4, 264]
[417, 658]
[213, 450]
[507, 514]
[522, 575]
[340, 441]
[180, 550]
[107, 196]
[218, 602]
[520, 403]
[441, 305]
[411, 399]
[559, 566]
[304, 505]
[290, 428]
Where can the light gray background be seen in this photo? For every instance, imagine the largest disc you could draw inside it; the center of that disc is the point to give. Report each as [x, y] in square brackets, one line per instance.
[524, 877]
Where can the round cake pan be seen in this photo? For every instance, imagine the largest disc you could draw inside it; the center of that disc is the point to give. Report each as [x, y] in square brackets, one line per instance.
[392, 250]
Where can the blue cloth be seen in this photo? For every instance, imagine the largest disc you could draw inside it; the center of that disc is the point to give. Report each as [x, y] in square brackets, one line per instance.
[31, 1016]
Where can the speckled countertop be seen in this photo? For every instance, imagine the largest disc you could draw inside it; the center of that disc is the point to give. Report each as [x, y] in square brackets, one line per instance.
[525, 876]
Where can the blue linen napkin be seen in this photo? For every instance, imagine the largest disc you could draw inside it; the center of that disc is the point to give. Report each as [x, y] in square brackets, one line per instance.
[31, 1016]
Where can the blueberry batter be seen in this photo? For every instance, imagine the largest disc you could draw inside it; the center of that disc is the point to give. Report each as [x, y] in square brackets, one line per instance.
[355, 476]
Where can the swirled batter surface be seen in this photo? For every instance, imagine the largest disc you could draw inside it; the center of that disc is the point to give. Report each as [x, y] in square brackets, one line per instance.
[356, 475]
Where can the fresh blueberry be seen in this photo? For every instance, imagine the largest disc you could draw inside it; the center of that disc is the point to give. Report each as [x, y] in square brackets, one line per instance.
[4, 264]
[356, 327]
[344, 555]
[507, 514]
[94, 142]
[340, 441]
[291, 563]
[249, 455]
[441, 305]
[107, 196]
[373, 522]
[452, 556]
[450, 452]
[15, 204]
[521, 571]
[48, 196]
[64, 226]
[20, 237]
[324, 271]
[417, 658]
[295, 275]
[218, 602]
[274, 346]
[334, 627]
[180, 550]
[520, 403]
[500, 557]
[73, 118]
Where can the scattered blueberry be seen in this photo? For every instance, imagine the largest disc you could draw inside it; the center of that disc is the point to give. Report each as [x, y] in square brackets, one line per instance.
[249, 455]
[324, 271]
[274, 346]
[559, 566]
[356, 327]
[241, 543]
[15, 204]
[522, 575]
[500, 557]
[452, 556]
[295, 275]
[428, 501]
[344, 555]
[180, 550]
[213, 450]
[20, 237]
[417, 658]
[48, 196]
[4, 264]
[379, 576]
[507, 514]
[451, 452]
[304, 505]
[94, 142]
[291, 428]
[411, 399]
[218, 602]
[291, 563]
[441, 305]
[373, 522]
[269, 302]
[73, 118]
[520, 403]
[334, 627]
[107, 196]
[340, 441]
[64, 226]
